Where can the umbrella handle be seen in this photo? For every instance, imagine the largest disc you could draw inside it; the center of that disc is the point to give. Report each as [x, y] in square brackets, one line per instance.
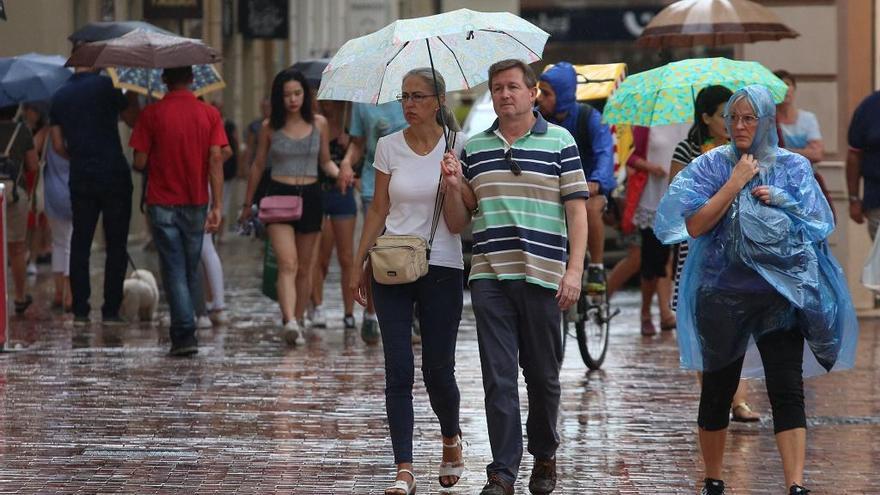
[437, 93]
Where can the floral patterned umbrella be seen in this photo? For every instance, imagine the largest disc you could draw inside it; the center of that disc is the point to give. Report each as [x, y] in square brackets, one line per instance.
[666, 95]
[460, 45]
[149, 81]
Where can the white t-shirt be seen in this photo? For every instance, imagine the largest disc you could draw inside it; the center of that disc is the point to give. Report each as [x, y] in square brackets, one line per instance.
[413, 190]
[804, 129]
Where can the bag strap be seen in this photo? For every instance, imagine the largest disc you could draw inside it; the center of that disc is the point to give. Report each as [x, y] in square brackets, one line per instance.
[12, 139]
[439, 199]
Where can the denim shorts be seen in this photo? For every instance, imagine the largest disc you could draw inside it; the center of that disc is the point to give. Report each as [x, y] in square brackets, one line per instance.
[338, 206]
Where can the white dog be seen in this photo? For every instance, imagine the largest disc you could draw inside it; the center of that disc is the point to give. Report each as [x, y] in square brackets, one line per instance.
[140, 296]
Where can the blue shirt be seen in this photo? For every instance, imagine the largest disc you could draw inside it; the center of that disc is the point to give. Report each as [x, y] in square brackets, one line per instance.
[87, 109]
[372, 122]
[864, 135]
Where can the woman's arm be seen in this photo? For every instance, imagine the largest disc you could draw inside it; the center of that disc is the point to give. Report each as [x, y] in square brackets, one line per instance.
[456, 211]
[327, 165]
[708, 216]
[374, 222]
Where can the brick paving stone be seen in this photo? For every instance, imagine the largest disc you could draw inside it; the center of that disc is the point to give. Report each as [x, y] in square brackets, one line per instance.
[104, 410]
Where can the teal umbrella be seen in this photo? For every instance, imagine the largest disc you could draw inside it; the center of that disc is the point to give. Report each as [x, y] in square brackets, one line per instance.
[460, 45]
[666, 95]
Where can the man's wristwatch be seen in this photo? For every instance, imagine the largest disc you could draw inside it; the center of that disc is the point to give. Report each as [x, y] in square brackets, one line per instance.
[854, 199]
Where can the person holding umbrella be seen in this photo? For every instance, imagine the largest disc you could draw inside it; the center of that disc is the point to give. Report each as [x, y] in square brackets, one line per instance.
[84, 116]
[758, 271]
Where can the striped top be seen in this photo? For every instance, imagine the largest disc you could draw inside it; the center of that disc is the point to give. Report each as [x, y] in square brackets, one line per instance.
[519, 228]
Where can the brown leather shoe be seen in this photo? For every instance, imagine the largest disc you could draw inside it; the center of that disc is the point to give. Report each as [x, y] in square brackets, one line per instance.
[497, 486]
[543, 479]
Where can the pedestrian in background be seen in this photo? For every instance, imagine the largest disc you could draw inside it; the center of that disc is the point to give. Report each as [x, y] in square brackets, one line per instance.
[758, 270]
[522, 277]
[407, 184]
[180, 138]
[558, 104]
[368, 124]
[863, 163]
[340, 216]
[84, 116]
[297, 143]
[17, 155]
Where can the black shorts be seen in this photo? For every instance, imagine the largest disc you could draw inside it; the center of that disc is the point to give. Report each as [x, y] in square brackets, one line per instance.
[313, 208]
[655, 255]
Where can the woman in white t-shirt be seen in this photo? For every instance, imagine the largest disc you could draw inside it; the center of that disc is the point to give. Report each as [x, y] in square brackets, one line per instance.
[407, 167]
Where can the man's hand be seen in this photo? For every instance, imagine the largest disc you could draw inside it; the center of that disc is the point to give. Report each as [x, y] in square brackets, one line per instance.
[569, 289]
[212, 223]
[451, 170]
[345, 179]
[593, 187]
[856, 212]
[657, 171]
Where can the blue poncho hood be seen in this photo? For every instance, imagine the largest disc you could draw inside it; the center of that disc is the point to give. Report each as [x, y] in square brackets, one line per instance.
[755, 247]
[563, 79]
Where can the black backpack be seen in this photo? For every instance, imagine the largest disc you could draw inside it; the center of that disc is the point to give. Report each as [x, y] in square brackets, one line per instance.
[10, 168]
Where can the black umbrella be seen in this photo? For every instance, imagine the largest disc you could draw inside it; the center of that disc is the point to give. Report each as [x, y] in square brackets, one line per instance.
[312, 69]
[100, 31]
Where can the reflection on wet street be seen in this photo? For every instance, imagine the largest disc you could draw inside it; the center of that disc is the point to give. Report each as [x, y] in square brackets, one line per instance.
[100, 410]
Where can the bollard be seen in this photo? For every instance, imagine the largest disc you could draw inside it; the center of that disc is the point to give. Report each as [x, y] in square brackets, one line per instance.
[4, 292]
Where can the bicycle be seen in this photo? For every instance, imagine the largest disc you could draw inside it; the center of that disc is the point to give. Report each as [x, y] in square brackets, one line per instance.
[591, 318]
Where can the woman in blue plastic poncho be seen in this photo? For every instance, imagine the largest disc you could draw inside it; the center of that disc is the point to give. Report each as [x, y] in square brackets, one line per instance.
[758, 274]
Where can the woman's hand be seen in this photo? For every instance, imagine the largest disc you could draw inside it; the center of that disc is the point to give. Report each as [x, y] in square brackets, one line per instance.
[745, 169]
[358, 283]
[656, 170]
[762, 193]
[450, 167]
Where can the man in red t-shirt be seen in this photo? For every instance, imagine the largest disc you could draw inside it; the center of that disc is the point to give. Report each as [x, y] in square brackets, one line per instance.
[181, 138]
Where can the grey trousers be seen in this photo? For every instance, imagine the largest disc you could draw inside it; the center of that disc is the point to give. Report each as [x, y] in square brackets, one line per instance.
[518, 324]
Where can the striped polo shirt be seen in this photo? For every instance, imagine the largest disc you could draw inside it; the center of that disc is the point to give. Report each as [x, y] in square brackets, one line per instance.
[519, 228]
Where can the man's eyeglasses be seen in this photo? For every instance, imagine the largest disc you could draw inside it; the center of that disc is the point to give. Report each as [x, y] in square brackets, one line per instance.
[414, 97]
[747, 120]
[514, 167]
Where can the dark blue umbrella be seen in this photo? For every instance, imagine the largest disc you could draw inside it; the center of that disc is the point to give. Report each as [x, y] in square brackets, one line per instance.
[312, 69]
[31, 77]
[100, 31]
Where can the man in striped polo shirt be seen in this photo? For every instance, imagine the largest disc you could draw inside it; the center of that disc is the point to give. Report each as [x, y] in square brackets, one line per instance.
[523, 180]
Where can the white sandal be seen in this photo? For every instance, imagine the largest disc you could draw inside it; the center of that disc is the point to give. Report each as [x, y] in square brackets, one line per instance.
[453, 468]
[402, 487]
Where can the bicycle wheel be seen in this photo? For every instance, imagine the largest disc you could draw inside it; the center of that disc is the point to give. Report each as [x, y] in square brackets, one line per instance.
[592, 333]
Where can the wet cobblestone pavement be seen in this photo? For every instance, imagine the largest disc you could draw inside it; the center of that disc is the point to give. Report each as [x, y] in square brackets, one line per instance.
[103, 410]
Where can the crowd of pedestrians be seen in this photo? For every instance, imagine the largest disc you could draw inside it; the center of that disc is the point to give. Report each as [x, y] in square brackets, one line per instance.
[701, 212]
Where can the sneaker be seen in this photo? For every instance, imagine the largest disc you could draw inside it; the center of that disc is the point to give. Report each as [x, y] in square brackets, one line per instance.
[81, 321]
[203, 322]
[316, 315]
[113, 321]
[712, 487]
[797, 490]
[185, 350]
[595, 280]
[416, 333]
[349, 323]
[543, 479]
[370, 331]
[165, 321]
[218, 317]
[497, 486]
[292, 334]
[32, 268]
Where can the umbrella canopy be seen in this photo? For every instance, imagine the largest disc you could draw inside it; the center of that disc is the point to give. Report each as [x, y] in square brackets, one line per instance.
[31, 77]
[100, 31]
[140, 48]
[460, 45]
[149, 81]
[665, 95]
[312, 69]
[713, 23]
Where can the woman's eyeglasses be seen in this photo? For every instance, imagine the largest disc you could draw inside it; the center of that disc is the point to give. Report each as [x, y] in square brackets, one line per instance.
[414, 97]
[514, 167]
[746, 120]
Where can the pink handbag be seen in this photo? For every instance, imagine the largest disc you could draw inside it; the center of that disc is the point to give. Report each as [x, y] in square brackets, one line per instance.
[275, 209]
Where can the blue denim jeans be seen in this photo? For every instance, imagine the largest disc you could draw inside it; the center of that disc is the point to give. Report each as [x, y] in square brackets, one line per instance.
[178, 232]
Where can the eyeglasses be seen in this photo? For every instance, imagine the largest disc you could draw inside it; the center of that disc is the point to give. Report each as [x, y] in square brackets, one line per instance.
[415, 97]
[514, 167]
[747, 120]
